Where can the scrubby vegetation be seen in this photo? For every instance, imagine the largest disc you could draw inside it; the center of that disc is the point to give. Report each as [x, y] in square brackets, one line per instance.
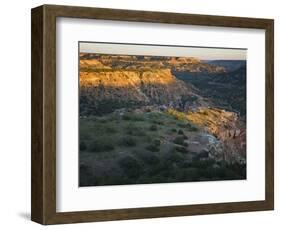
[147, 147]
[101, 144]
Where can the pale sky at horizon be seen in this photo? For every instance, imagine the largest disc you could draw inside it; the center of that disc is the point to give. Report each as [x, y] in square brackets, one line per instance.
[203, 53]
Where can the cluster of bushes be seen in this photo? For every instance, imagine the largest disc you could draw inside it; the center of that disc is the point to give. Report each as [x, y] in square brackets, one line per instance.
[144, 166]
[101, 144]
[88, 107]
[179, 140]
[128, 135]
[134, 130]
[181, 149]
[97, 145]
[145, 151]
[148, 158]
[131, 166]
[154, 146]
[173, 130]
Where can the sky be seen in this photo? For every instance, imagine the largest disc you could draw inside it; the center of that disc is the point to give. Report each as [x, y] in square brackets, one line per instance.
[202, 53]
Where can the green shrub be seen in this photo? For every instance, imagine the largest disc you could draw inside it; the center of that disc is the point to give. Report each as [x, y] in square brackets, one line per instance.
[126, 117]
[157, 142]
[153, 148]
[181, 149]
[128, 141]
[162, 168]
[131, 167]
[173, 130]
[148, 157]
[134, 130]
[179, 140]
[180, 132]
[175, 157]
[202, 164]
[101, 145]
[147, 138]
[153, 128]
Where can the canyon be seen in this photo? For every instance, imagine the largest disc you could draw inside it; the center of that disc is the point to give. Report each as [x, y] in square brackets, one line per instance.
[197, 108]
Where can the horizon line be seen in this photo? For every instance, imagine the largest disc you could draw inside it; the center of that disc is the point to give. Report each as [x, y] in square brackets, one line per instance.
[199, 52]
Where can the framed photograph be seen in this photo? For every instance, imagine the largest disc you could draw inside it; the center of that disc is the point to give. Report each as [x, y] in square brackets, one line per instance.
[141, 114]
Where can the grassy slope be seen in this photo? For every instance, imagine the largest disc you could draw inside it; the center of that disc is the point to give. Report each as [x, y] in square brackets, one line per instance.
[146, 147]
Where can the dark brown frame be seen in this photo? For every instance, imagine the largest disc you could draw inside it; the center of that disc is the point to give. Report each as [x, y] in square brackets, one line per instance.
[43, 200]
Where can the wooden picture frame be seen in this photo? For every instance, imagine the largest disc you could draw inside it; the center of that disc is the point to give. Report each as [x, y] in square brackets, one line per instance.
[43, 208]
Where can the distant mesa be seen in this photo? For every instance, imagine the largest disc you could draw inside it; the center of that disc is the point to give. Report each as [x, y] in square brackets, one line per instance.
[189, 64]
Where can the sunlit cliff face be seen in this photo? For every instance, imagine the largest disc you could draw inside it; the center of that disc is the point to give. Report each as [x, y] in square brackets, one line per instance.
[125, 71]
[126, 78]
[135, 83]
[134, 86]
[95, 73]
